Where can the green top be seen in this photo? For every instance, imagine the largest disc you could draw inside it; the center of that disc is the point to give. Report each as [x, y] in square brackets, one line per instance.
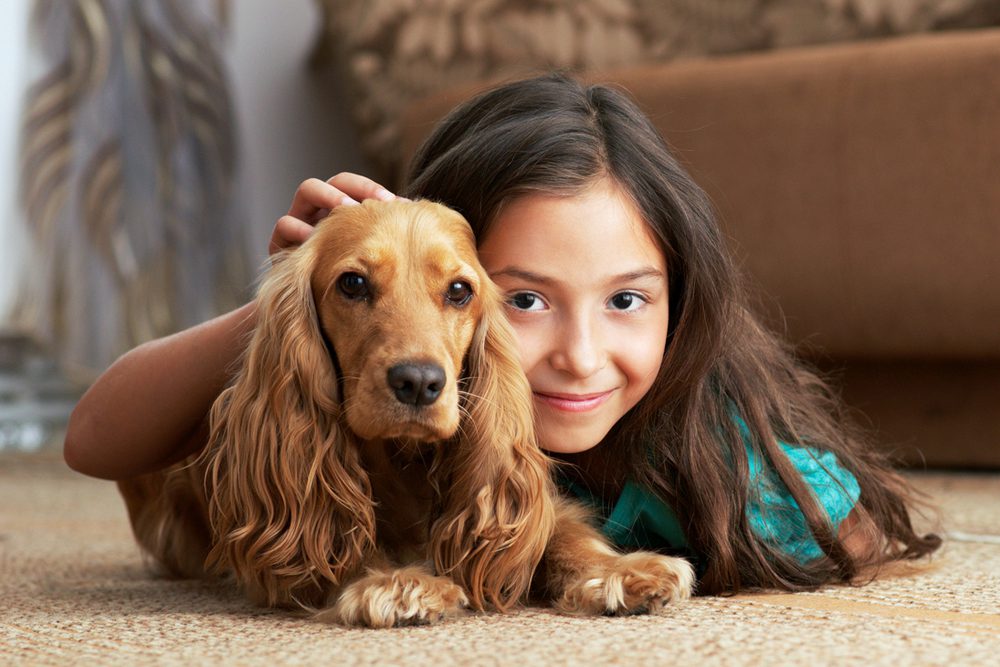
[639, 519]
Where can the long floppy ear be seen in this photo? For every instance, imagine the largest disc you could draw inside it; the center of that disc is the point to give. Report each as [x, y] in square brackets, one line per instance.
[497, 495]
[290, 505]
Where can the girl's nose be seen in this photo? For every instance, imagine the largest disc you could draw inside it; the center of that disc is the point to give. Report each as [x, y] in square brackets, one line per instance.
[579, 349]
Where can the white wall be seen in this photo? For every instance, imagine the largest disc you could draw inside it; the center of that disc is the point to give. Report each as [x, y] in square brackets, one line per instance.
[13, 81]
[292, 126]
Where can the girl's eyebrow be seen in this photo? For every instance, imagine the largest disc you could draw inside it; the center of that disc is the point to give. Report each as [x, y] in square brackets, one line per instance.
[523, 274]
[638, 274]
[530, 276]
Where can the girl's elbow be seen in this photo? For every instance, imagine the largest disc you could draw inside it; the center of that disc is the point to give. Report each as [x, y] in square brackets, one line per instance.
[860, 536]
[77, 445]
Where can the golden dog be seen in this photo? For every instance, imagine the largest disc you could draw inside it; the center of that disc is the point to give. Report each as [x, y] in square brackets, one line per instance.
[374, 458]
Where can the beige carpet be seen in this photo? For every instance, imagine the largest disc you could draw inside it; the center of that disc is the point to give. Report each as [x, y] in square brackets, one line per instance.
[73, 589]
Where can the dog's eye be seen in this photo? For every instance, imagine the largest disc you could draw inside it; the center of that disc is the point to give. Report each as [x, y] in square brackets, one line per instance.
[353, 286]
[459, 293]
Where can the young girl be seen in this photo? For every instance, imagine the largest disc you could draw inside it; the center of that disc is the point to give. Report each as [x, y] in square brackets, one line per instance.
[683, 422]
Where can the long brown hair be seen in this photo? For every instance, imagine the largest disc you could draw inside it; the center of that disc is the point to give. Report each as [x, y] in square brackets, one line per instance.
[555, 135]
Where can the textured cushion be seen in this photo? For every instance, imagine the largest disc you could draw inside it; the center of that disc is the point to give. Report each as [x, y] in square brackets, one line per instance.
[391, 52]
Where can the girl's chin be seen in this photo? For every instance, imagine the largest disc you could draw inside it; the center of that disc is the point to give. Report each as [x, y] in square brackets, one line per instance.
[567, 443]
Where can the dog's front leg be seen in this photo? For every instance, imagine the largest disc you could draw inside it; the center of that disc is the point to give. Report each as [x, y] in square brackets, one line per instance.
[386, 596]
[584, 575]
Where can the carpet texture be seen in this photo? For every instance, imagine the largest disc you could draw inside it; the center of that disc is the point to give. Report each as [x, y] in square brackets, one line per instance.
[74, 589]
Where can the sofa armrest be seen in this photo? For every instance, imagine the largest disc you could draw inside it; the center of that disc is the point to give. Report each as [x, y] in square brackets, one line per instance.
[859, 183]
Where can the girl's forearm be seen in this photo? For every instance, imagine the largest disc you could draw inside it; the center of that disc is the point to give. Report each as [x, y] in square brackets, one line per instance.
[150, 407]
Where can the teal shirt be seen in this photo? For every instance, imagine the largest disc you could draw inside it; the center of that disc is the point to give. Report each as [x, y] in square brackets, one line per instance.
[639, 519]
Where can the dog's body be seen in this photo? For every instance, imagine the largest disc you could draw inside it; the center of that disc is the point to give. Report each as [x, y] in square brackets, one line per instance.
[375, 456]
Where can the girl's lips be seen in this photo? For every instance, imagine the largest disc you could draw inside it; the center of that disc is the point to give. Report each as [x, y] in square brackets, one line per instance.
[573, 402]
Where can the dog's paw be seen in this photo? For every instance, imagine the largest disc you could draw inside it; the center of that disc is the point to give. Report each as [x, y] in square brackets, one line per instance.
[635, 583]
[407, 596]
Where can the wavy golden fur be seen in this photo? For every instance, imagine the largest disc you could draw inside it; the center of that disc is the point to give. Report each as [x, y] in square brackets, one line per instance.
[375, 455]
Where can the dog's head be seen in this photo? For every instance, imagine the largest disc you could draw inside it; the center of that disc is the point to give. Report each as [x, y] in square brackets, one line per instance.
[382, 325]
[399, 293]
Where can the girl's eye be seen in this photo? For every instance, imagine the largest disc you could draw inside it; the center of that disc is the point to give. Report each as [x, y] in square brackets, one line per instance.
[525, 301]
[627, 301]
[354, 286]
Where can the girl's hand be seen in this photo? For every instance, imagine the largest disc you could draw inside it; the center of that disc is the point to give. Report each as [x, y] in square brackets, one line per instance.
[314, 200]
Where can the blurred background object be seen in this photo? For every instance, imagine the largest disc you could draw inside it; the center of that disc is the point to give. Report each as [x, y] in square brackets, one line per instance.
[204, 141]
[35, 398]
[127, 178]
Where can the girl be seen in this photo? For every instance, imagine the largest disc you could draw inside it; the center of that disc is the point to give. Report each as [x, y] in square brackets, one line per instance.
[683, 422]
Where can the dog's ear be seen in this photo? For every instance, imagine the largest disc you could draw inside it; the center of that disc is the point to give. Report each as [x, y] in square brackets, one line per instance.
[498, 512]
[290, 504]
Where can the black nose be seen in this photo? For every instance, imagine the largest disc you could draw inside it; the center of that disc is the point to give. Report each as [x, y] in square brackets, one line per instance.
[416, 384]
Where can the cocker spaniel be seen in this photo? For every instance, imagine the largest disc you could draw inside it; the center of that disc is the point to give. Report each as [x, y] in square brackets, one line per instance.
[374, 457]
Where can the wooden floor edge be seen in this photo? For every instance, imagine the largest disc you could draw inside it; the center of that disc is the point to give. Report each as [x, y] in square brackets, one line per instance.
[819, 603]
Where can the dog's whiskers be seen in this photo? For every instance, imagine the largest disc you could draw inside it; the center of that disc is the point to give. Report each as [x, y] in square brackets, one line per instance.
[468, 396]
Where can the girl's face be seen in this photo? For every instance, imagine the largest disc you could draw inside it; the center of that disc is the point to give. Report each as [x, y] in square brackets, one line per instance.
[586, 287]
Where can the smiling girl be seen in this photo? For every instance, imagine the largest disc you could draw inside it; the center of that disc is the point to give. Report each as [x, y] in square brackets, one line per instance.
[686, 425]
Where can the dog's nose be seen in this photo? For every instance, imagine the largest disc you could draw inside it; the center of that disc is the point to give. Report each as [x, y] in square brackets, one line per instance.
[416, 384]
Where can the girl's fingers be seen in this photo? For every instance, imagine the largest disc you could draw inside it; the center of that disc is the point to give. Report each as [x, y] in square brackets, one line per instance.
[289, 231]
[359, 187]
[313, 201]
[315, 198]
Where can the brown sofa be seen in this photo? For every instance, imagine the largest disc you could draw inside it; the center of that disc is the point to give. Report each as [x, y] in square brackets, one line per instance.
[860, 186]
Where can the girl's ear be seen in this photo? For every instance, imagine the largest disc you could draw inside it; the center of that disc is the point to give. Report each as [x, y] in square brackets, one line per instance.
[498, 512]
[289, 503]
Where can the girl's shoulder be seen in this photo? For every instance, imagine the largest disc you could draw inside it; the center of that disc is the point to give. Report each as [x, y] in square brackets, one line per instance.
[775, 515]
[835, 487]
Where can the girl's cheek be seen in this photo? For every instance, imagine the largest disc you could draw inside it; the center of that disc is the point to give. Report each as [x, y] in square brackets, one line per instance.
[647, 345]
[533, 344]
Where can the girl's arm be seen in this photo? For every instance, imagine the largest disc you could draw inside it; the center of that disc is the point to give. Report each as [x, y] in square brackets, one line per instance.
[150, 407]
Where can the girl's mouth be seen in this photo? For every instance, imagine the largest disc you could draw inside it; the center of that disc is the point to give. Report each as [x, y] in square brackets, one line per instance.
[573, 402]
